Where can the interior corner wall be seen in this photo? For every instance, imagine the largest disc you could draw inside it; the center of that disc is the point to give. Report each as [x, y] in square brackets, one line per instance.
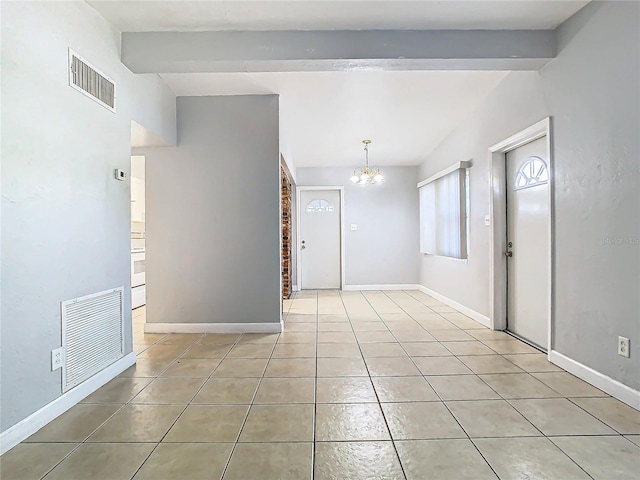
[384, 248]
[213, 214]
[65, 218]
[591, 92]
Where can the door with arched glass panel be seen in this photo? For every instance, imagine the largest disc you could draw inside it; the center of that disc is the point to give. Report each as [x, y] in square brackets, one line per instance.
[319, 239]
[528, 247]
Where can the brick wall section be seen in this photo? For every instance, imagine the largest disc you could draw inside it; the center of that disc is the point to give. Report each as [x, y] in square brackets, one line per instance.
[286, 234]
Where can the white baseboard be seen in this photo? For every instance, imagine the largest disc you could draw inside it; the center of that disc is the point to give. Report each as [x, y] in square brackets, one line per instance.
[34, 422]
[392, 286]
[294, 288]
[272, 327]
[478, 317]
[607, 384]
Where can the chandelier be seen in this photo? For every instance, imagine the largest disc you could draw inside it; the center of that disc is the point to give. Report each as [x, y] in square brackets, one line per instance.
[367, 174]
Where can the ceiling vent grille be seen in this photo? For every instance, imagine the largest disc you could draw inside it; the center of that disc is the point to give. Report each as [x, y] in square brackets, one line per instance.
[94, 84]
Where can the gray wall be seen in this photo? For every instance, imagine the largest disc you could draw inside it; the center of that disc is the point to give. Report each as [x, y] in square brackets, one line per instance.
[213, 214]
[65, 219]
[592, 93]
[384, 249]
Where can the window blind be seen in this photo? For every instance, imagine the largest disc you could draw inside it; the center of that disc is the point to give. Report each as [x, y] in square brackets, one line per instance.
[443, 229]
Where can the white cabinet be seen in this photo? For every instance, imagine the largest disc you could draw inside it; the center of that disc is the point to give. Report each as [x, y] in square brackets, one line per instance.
[137, 200]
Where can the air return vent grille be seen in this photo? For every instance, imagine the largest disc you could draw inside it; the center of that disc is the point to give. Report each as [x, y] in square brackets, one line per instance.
[92, 334]
[93, 83]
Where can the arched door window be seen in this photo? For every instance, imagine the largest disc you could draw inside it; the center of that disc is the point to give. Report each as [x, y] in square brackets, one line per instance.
[532, 172]
[319, 206]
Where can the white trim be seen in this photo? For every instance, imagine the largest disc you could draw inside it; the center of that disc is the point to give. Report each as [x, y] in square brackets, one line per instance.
[342, 239]
[446, 171]
[613, 387]
[34, 422]
[498, 262]
[380, 287]
[270, 327]
[478, 317]
[290, 168]
[294, 288]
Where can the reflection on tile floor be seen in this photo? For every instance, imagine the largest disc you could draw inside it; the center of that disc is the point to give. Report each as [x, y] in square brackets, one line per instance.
[385, 385]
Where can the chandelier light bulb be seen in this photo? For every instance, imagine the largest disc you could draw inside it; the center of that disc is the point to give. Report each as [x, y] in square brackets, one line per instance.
[355, 178]
[378, 178]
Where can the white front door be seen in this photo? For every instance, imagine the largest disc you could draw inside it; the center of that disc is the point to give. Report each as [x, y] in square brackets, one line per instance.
[528, 248]
[319, 239]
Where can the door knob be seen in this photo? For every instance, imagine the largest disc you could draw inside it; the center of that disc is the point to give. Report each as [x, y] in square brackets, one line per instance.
[508, 254]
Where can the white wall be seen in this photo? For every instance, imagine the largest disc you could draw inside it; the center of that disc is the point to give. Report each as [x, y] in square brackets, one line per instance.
[65, 219]
[514, 105]
[384, 249]
[591, 91]
[213, 215]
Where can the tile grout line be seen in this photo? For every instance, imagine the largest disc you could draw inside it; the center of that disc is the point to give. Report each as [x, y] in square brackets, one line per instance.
[447, 407]
[188, 347]
[197, 342]
[84, 441]
[427, 380]
[122, 407]
[375, 392]
[542, 435]
[315, 391]
[571, 400]
[250, 407]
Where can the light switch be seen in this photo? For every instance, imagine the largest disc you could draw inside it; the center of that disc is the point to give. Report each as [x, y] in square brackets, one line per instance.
[487, 220]
[354, 227]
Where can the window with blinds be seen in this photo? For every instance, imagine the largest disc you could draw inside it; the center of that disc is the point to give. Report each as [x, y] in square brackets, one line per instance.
[444, 212]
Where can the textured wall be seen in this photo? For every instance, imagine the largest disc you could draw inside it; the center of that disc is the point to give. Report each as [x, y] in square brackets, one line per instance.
[591, 92]
[65, 219]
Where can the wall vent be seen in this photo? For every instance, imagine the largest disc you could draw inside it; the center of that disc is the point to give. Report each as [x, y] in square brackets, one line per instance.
[92, 335]
[91, 82]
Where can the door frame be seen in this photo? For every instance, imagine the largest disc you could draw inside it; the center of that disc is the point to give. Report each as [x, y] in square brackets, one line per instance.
[498, 202]
[299, 189]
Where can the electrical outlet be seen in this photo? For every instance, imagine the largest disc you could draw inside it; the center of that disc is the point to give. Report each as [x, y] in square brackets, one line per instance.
[624, 346]
[57, 357]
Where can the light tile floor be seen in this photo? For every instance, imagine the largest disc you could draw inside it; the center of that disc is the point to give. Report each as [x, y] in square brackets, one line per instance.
[384, 385]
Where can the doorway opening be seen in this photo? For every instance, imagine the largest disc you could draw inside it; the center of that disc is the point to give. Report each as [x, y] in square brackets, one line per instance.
[138, 235]
[522, 235]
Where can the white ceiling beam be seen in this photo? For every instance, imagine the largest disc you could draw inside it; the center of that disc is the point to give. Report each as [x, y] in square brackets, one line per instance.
[345, 50]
